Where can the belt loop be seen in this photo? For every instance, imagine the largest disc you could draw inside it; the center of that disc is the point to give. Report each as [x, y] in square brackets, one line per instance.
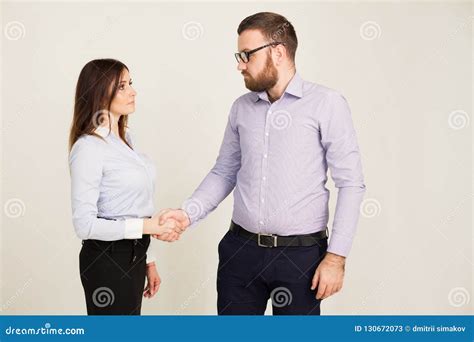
[234, 228]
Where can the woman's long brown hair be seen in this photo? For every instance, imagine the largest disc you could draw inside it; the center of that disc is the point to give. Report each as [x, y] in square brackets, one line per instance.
[96, 87]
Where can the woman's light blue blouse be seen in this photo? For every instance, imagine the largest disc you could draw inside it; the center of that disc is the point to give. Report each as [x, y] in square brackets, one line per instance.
[112, 187]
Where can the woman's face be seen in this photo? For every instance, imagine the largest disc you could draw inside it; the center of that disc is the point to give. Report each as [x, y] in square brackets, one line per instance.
[124, 101]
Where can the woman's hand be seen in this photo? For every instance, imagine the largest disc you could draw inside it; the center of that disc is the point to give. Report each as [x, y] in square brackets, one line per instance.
[153, 280]
[152, 226]
[171, 235]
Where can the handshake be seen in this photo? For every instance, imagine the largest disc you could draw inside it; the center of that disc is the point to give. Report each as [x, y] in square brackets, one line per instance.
[167, 225]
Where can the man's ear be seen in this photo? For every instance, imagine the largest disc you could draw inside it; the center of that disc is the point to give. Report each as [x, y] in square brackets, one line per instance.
[279, 54]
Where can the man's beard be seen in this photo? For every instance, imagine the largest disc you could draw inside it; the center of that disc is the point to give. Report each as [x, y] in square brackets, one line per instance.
[265, 80]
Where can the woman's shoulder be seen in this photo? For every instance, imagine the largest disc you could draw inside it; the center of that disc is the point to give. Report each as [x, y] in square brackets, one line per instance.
[92, 142]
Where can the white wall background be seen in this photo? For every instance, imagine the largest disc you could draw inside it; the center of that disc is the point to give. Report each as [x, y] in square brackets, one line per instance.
[405, 68]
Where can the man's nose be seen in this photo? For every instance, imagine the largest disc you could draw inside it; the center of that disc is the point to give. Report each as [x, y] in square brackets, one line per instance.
[241, 66]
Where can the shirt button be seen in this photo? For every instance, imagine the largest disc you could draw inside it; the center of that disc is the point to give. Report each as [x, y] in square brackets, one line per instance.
[265, 155]
[264, 178]
[262, 200]
[266, 134]
[261, 222]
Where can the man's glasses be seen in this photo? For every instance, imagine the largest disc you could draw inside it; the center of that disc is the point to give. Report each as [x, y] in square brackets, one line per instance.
[244, 56]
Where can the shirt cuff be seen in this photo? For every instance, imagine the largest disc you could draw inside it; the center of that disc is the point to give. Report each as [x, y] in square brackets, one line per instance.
[150, 258]
[133, 228]
[193, 221]
[150, 255]
[339, 244]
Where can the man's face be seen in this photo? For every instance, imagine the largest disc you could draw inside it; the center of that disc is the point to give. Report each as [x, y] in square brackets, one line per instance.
[259, 72]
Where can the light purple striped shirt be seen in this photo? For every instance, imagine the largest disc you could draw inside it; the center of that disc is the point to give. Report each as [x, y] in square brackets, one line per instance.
[276, 156]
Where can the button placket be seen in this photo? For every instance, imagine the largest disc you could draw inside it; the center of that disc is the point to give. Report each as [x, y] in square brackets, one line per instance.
[264, 170]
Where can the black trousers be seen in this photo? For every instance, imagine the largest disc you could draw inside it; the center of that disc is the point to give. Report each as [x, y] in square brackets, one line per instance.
[249, 275]
[113, 275]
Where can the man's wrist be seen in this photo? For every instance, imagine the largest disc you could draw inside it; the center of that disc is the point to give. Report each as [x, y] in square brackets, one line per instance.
[335, 258]
[186, 214]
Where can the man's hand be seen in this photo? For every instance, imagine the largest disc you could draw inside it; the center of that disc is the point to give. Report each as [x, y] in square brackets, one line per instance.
[329, 275]
[176, 218]
[179, 216]
[169, 236]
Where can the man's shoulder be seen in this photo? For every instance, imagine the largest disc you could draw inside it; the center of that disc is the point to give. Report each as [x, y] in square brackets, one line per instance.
[309, 88]
[319, 90]
[247, 98]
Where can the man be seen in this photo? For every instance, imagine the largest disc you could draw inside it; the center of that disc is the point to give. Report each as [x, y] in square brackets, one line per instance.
[279, 141]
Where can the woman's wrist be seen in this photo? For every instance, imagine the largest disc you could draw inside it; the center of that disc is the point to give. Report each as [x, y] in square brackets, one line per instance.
[151, 264]
[147, 226]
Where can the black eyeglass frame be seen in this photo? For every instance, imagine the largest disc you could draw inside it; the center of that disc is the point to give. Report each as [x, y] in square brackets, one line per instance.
[244, 56]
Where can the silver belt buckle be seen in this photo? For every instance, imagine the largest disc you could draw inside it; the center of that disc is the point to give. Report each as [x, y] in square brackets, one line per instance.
[271, 235]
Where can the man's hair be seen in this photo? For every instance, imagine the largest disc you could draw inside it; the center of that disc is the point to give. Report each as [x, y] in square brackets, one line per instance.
[274, 27]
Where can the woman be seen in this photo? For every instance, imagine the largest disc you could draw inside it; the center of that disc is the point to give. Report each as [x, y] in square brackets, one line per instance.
[112, 189]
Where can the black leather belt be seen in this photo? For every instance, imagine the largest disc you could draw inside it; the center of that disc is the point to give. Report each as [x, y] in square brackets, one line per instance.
[272, 240]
